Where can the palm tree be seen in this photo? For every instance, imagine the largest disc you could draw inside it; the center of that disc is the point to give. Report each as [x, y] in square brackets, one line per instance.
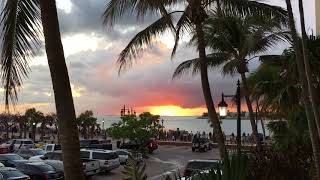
[234, 39]
[310, 79]
[191, 18]
[314, 135]
[21, 25]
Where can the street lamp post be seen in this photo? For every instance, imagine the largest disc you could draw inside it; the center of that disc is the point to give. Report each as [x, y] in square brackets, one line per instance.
[34, 131]
[104, 132]
[223, 109]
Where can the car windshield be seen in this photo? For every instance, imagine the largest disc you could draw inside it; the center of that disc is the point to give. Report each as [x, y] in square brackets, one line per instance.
[56, 165]
[122, 153]
[27, 142]
[11, 173]
[104, 156]
[13, 157]
[201, 165]
[40, 152]
[45, 167]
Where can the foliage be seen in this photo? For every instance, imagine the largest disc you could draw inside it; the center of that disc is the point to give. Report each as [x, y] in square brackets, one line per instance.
[134, 170]
[87, 122]
[33, 116]
[188, 13]
[275, 83]
[135, 129]
[290, 154]
[20, 38]
[234, 38]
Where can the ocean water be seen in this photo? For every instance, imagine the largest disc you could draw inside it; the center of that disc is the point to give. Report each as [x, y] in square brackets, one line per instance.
[191, 123]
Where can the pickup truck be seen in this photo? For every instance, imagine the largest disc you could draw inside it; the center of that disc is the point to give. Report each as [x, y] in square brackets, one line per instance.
[94, 144]
[91, 167]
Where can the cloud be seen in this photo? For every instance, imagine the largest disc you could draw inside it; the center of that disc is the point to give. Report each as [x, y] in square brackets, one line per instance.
[91, 53]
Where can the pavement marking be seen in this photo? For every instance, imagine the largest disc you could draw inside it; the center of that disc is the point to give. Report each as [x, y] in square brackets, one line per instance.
[176, 170]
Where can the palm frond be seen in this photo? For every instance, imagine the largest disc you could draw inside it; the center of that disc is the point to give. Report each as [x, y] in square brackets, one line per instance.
[213, 60]
[118, 8]
[255, 8]
[182, 26]
[144, 38]
[134, 170]
[20, 37]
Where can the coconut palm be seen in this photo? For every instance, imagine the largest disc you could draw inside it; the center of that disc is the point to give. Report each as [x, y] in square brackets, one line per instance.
[310, 81]
[277, 82]
[191, 18]
[21, 32]
[314, 135]
[235, 39]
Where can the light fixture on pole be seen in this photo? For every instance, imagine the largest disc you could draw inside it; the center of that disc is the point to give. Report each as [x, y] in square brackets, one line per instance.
[103, 124]
[223, 110]
[223, 107]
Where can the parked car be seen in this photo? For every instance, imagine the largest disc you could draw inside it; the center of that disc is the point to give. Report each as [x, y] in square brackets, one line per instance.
[7, 173]
[124, 155]
[28, 153]
[56, 164]
[52, 147]
[8, 159]
[201, 144]
[14, 144]
[109, 160]
[39, 171]
[94, 144]
[91, 167]
[197, 166]
[151, 144]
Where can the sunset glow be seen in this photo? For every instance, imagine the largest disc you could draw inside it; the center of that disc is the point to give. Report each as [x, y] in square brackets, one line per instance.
[173, 110]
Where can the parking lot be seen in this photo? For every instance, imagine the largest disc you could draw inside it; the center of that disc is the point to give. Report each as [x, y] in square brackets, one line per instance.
[165, 160]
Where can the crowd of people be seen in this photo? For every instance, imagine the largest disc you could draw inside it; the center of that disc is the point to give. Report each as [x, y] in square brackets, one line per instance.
[185, 136]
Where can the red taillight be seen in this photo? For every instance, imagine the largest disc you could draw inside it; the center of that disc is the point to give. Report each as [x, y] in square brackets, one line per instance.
[46, 177]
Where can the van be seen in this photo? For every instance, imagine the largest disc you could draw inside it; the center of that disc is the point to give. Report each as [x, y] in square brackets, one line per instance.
[109, 160]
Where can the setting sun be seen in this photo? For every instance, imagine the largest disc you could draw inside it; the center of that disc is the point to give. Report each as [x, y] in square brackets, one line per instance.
[172, 110]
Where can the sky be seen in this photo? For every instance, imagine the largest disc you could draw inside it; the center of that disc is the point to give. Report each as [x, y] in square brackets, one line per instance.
[91, 52]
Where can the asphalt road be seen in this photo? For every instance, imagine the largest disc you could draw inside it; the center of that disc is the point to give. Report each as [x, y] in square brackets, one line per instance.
[166, 160]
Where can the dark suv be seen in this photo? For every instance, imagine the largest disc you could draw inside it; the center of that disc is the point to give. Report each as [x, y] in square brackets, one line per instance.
[201, 144]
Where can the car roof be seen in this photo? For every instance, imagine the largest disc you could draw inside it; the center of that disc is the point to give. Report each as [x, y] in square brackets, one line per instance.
[7, 169]
[97, 150]
[9, 154]
[204, 160]
[22, 139]
[36, 163]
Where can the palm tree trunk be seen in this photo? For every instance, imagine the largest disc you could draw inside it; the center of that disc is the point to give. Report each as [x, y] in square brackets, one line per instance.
[251, 113]
[73, 168]
[302, 76]
[311, 89]
[20, 130]
[206, 90]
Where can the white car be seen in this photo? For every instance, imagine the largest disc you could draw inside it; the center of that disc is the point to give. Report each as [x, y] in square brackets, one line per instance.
[20, 144]
[90, 167]
[124, 155]
[109, 160]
